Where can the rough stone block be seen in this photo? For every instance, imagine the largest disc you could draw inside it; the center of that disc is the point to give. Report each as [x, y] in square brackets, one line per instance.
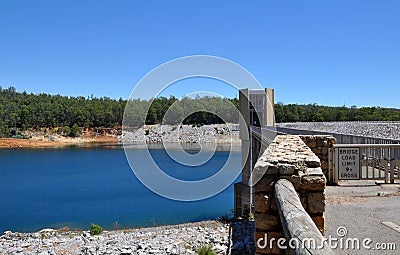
[262, 168]
[312, 143]
[324, 158]
[312, 161]
[317, 171]
[303, 201]
[267, 222]
[320, 223]
[303, 193]
[286, 169]
[262, 203]
[294, 179]
[260, 239]
[313, 183]
[265, 184]
[317, 150]
[316, 203]
[324, 165]
[274, 207]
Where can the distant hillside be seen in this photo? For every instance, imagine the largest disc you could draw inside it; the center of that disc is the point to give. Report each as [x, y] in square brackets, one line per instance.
[21, 111]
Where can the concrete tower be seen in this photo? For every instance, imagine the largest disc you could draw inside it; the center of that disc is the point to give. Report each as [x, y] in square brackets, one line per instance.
[257, 109]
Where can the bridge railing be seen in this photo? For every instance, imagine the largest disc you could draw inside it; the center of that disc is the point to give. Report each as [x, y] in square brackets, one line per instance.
[376, 162]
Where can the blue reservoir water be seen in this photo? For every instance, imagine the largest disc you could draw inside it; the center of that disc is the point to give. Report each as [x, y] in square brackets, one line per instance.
[74, 187]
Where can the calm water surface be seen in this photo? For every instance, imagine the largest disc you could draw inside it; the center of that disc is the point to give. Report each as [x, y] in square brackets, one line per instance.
[75, 187]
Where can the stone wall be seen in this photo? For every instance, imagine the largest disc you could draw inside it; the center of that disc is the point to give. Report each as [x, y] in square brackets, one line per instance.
[320, 145]
[288, 157]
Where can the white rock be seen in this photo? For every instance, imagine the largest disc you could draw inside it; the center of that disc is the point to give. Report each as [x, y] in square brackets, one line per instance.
[7, 233]
[47, 230]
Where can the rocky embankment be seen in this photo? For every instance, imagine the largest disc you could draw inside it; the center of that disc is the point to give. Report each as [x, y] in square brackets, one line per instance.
[50, 138]
[389, 130]
[217, 133]
[236, 238]
[176, 239]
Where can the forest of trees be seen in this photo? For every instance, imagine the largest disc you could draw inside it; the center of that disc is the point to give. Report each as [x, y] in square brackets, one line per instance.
[23, 111]
[199, 110]
[318, 113]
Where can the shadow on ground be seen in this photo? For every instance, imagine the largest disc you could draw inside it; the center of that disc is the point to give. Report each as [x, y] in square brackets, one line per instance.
[242, 236]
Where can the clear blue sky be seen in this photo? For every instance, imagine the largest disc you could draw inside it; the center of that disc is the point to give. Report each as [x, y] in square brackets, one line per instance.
[326, 52]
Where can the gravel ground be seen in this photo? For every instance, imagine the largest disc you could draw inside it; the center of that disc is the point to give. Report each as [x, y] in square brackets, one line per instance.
[389, 130]
[242, 238]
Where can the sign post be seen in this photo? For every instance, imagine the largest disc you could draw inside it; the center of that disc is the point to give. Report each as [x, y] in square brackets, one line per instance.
[349, 164]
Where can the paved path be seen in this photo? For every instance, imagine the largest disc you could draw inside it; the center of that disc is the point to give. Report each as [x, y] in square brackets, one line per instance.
[360, 207]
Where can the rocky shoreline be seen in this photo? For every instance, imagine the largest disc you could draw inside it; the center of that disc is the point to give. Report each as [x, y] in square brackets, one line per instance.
[149, 134]
[173, 239]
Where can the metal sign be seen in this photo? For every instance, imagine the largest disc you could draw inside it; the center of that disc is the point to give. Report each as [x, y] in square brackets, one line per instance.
[349, 164]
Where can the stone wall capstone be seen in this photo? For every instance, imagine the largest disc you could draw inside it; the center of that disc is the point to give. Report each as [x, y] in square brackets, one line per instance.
[287, 157]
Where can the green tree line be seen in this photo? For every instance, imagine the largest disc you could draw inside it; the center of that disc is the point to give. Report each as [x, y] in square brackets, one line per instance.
[199, 110]
[319, 113]
[21, 111]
